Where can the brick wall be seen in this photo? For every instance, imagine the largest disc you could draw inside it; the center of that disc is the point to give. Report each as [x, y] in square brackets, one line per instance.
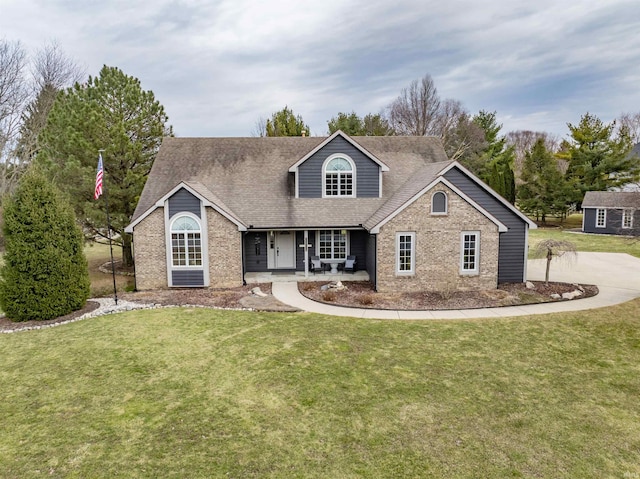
[437, 247]
[225, 251]
[150, 253]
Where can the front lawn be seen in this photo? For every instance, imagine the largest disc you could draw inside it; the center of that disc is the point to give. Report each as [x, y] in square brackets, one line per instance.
[202, 393]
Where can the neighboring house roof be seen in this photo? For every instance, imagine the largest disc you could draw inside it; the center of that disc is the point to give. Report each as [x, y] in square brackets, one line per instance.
[611, 199]
[253, 181]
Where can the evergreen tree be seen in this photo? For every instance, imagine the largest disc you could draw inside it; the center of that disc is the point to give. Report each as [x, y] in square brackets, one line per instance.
[598, 156]
[352, 124]
[113, 113]
[494, 165]
[544, 190]
[45, 271]
[285, 123]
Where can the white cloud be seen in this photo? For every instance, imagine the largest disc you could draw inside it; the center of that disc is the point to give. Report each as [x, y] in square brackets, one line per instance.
[218, 66]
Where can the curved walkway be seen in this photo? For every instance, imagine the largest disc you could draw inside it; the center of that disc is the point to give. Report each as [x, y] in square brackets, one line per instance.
[617, 276]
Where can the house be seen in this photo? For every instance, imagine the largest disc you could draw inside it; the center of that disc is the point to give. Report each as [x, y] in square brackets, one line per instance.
[611, 212]
[214, 210]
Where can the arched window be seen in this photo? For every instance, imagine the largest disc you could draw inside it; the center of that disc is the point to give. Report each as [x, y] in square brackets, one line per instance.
[439, 203]
[186, 243]
[339, 177]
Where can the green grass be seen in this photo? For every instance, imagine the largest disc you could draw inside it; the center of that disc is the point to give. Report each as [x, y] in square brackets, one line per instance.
[200, 393]
[583, 242]
[101, 283]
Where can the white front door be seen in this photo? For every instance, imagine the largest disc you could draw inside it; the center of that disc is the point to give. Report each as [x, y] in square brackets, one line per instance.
[285, 254]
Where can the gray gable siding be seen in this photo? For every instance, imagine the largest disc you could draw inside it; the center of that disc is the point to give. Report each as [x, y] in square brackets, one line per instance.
[183, 201]
[310, 178]
[512, 243]
[613, 223]
[188, 278]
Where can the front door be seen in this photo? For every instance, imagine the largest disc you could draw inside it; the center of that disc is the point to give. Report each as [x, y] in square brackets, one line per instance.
[285, 254]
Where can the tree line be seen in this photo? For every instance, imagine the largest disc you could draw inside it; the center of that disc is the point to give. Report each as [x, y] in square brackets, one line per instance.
[537, 171]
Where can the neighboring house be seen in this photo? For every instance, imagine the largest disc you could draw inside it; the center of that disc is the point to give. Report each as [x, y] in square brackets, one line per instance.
[611, 212]
[214, 209]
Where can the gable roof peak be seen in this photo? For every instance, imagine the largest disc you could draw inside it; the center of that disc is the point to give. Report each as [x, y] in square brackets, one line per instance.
[328, 140]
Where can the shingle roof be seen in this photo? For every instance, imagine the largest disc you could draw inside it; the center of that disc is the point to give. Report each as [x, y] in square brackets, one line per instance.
[249, 179]
[611, 199]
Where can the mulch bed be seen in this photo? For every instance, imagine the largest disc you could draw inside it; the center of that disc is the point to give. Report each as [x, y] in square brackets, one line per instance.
[358, 294]
[216, 298]
[362, 295]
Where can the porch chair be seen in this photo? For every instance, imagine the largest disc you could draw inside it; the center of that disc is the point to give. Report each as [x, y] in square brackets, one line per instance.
[316, 264]
[350, 264]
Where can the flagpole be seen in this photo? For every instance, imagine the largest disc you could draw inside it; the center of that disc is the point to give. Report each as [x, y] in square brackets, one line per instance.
[106, 205]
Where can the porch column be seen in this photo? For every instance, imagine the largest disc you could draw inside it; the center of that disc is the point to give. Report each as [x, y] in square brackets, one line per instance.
[306, 253]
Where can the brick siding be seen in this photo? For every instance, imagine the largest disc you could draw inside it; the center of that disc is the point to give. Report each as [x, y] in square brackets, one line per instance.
[225, 251]
[150, 253]
[437, 247]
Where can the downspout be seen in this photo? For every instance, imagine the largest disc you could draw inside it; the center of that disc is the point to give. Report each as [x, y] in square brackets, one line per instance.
[242, 243]
[375, 263]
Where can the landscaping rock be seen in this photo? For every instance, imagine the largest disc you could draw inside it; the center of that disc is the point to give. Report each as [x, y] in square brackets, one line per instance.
[556, 296]
[572, 294]
[258, 292]
[530, 285]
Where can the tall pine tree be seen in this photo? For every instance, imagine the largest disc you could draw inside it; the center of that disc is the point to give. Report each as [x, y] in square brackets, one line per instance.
[598, 156]
[110, 112]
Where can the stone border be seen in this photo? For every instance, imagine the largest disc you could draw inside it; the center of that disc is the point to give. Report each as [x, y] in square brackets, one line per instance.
[108, 306]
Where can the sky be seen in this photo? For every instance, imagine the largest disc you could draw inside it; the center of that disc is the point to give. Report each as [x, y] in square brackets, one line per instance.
[218, 66]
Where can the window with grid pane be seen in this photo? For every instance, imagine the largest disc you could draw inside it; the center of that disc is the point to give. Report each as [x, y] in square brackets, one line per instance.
[627, 218]
[186, 242]
[469, 252]
[405, 253]
[332, 244]
[338, 177]
[601, 218]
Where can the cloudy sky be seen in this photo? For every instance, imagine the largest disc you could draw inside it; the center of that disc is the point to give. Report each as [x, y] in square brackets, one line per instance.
[219, 65]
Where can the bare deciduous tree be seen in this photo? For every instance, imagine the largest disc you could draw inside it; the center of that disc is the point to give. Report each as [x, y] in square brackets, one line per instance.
[25, 102]
[415, 112]
[13, 93]
[631, 121]
[419, 111]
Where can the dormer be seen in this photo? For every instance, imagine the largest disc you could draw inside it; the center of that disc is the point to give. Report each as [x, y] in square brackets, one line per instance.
[338, 168]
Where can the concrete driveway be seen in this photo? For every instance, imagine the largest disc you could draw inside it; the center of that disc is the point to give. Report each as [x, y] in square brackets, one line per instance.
[617, 276]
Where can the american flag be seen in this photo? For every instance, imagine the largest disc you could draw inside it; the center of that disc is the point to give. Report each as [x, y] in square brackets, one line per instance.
[99, 175]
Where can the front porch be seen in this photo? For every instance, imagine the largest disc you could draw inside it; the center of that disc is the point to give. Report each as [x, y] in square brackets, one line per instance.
[270, 277]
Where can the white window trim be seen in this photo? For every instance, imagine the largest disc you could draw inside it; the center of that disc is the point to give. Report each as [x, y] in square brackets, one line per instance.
[476, 270]
[353, 176]
[604, 218]
[346, 239]
[411, 271]
[170, 242]
[627, 213]
[446, 204]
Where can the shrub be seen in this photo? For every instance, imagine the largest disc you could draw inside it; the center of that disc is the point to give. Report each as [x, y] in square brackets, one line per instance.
[329, 296]
[45, 271]
[366, 299]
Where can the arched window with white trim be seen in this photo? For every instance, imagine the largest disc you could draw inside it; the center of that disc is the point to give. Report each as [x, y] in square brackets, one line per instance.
[186, 241]
[339, 173]
[439, 203]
